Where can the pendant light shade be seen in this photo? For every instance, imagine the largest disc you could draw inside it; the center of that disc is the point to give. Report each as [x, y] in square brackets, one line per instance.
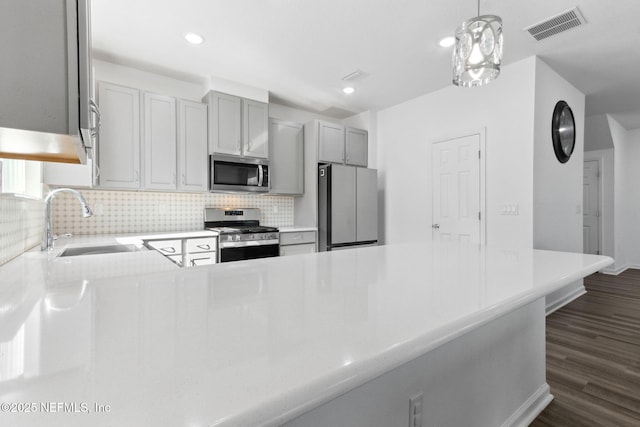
[477, 54]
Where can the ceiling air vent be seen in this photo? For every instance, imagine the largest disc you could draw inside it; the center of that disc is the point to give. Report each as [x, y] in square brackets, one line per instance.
[355, 75]
[557, 24]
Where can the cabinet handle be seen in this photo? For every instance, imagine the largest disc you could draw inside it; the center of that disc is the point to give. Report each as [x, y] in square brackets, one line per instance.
[183, 179]
[94, 107]
[173, 181]
[204, 247]
[137, 178]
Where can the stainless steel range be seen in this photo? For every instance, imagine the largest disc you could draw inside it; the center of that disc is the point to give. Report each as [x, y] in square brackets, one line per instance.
[241, 235]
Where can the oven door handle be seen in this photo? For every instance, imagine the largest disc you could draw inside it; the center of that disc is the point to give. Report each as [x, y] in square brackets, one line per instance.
[255, 243]
[260, 175]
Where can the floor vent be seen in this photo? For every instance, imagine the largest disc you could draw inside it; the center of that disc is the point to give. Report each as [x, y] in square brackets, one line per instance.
[557, 24]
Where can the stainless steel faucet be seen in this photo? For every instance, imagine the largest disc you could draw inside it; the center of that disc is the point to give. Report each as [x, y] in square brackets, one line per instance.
[47, 238]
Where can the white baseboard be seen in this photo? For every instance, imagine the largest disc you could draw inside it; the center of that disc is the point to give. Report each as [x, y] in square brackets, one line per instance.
[616, 271]
[564, 300]
[531, 408]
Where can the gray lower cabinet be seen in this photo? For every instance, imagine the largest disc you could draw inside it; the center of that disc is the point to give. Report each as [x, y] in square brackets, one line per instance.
[286, 154]
[297, 242]
[173, 152]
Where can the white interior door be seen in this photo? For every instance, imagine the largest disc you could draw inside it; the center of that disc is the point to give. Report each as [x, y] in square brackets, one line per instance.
[591, 208]
[456, 189]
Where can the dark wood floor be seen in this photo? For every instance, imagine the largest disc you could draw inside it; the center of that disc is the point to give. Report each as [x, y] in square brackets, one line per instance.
[593, 356]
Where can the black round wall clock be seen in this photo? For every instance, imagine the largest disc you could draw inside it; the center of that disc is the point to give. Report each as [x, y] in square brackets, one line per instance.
[563, 131]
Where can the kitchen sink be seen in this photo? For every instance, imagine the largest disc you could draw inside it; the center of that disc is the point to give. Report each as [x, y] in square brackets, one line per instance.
[98, 250]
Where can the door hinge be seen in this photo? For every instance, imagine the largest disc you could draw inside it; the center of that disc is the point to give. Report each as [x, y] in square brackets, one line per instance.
[479, 216]
[597, 252]
[478, 153]
[597, 214]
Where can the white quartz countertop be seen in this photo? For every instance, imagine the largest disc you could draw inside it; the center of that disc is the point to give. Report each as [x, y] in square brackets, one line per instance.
[253, 342]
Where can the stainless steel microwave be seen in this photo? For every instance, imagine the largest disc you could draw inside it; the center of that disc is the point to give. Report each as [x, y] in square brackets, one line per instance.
[238, 174]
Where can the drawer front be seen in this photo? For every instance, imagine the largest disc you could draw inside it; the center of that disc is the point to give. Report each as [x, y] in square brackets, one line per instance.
[307, 248]
[204, 244]
[167, 247]
[202, 258]
[296, 238]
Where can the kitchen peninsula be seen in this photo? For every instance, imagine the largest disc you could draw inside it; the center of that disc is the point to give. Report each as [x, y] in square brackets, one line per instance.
[337, 338]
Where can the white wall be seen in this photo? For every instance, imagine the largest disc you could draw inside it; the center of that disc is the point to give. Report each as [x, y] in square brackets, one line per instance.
[557, 187]
[127, 76]
[607, 190]
[630, 200]
[596, 133]
[405, 135]
[290, 114]
[627, 195]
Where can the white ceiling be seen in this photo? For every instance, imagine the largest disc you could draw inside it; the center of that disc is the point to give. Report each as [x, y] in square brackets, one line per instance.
[299, 50]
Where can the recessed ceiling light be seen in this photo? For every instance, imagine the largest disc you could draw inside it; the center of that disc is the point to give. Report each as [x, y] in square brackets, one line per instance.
[348, 90]
[447, 41]
[194, 38]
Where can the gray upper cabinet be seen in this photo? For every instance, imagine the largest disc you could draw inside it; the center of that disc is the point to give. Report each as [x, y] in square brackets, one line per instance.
[337, 144]
[286, 154]
[119, 139]
[46, 80]
[173, 152]
[159, 142]
[255, 131]
[330, 142]
[237, 126]
[356, 147]
[225, 123]
[192, 146]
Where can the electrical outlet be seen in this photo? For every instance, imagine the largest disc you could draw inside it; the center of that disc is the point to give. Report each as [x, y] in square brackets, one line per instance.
[415, 410]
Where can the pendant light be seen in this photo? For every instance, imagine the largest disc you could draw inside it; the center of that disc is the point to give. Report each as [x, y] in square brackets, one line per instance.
[477, 54]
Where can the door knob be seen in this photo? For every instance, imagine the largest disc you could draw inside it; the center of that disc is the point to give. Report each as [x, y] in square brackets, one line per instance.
[435, 226]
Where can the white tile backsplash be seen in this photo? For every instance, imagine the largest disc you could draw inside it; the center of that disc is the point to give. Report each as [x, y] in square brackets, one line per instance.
[21, 225]
[142, 212]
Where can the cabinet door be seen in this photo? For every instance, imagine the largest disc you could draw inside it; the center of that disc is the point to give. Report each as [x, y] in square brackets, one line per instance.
[343, 204]
[286, 157]
[119, 139]
[255, 130]
[225, 123]
[192, 146]
[330, 143]
[366, 204]
[159, 142]
[308, 248]
[356, 147]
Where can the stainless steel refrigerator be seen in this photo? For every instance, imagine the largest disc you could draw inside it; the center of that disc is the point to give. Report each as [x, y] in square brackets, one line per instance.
[347, 207]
